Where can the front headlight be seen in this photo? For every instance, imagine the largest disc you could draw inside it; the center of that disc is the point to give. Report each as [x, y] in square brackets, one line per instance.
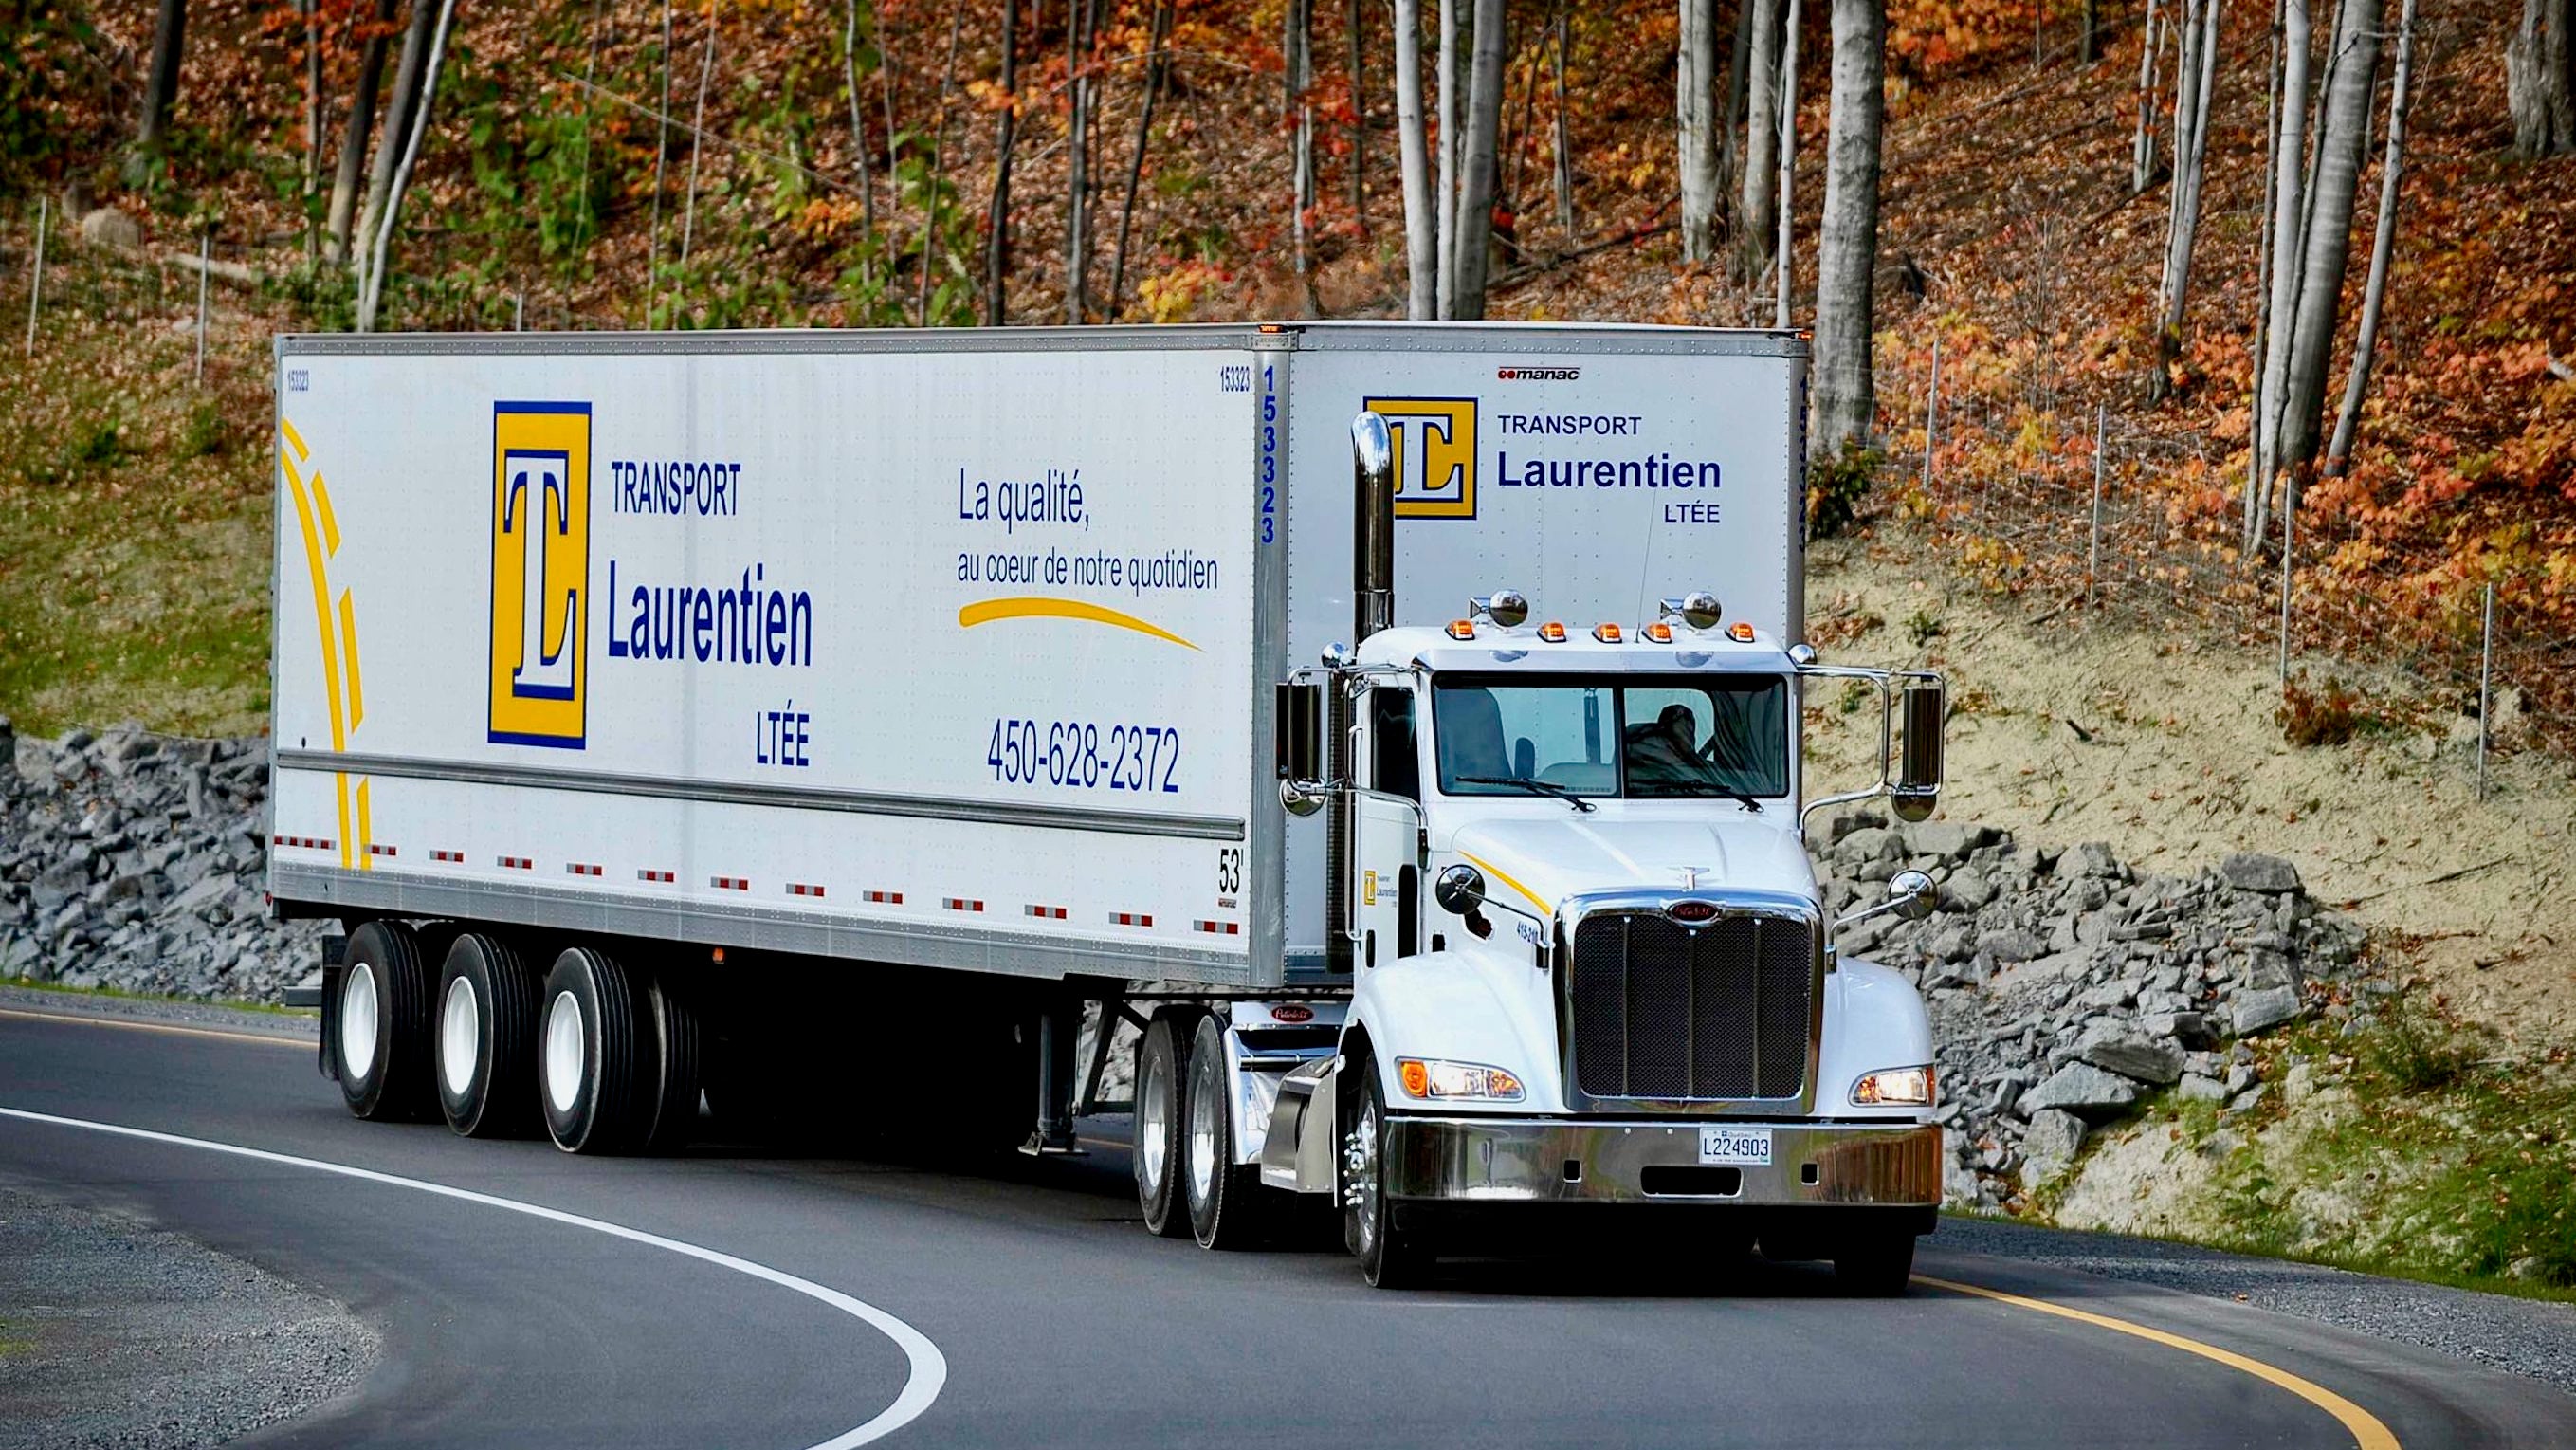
[1908, 1085]
[1433, 1078]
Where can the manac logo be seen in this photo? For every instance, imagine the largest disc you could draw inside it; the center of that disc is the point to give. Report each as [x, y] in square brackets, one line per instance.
[1435, 455]
[540, 573]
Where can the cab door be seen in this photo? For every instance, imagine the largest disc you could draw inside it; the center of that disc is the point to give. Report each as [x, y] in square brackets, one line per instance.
[1386, 839]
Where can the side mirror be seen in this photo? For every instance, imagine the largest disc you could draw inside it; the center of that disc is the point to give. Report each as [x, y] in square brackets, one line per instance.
[1460, 890]
[1298, 747]
[1910, 895]
[1918, 774]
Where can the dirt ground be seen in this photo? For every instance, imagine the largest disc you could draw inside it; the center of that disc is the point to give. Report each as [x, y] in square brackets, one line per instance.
[2068, 727]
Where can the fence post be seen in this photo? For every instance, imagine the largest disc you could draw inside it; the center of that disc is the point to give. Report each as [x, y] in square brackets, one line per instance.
[36, 288]
[519, 310]
[205, 254]
[2486, 676]
[1931, 413]
[2289, 541]
[2093, 554]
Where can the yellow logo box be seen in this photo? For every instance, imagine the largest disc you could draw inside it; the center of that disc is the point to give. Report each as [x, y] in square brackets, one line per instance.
[540, 573]
[1435, 455]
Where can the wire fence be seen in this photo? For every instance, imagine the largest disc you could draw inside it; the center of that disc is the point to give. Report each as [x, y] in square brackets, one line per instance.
[2033, 490]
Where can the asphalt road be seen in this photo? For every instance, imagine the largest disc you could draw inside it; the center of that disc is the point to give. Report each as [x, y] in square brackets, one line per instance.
[757, 1301]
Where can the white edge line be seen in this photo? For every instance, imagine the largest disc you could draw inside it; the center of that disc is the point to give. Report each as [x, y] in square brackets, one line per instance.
[928, 1371]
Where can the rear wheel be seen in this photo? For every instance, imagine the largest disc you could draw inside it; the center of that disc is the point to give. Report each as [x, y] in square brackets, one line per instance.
[1157, 1154]
[586, 1059]
[1389, 1258]
[671, 1042]
[1226, 1199]
[381, 1041]
[487, 1037]
[1875, 1265]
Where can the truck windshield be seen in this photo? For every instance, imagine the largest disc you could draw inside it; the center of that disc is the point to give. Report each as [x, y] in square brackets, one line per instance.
[1644, 737]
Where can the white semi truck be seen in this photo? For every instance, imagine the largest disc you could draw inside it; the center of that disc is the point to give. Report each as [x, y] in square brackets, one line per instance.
[1398, 724]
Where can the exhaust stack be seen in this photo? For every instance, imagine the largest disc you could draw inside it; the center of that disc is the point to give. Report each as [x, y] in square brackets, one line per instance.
[1372, 527]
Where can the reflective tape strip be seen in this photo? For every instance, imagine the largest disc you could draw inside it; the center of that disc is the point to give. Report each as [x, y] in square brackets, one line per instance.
[729, 883]
[302, 843]
[884, 898]
[379, 848]
[799, 888]
[649, 874]
[578, 868]
[1131, 918]
[517, 863]
[960, 903]
[1221, 928]
[452, 857]
[1051, 913]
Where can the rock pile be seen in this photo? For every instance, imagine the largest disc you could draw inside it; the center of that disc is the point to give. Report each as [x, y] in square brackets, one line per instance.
[134, 861]
[2065, 987]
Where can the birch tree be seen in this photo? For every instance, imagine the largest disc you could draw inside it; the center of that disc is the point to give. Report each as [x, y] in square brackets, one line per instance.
[372, 287]
[1847, 247]
[1562, 142]
[2142, 144]
[1753, 212]
[351, 164]
[417, 38]
[1421, 228]
[2392, 168]
[1694, 111]
[1159, 31]
[1296, 53]
[1480, 161]
[1445, 200]
[2289, 141]
[859, 140]
[1355, 33]
[2196, 82]
[1081, 23]
[1783, 262]
[2540, 78]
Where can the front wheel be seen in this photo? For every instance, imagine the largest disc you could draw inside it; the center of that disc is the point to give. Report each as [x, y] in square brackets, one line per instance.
[1875, 1265]
[1389, 1258]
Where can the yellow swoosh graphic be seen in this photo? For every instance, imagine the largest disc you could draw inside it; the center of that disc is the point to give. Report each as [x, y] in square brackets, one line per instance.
[1030, 606]
[1504, 877]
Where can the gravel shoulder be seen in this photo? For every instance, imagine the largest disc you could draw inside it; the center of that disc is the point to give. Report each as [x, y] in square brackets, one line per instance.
[162, 1012]
[2529, 1337]
[115, 1334]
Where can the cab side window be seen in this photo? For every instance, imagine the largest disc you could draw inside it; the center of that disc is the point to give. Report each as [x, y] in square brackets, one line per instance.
[1395, 755]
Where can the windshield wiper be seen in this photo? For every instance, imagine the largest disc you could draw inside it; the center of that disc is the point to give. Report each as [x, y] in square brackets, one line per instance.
[1534, 786]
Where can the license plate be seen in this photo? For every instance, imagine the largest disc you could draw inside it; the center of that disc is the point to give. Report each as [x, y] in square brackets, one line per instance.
[1739, 1147]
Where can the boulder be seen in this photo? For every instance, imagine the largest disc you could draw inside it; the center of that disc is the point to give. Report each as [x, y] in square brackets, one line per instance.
[2012, 946]
[1967, 890]
[2159, 1063]
[2195, 1088]
[2049, 1148]
[2264, 1008]
[1948, 840]
[2249, 871]
[2084, 1090]
[107, 227]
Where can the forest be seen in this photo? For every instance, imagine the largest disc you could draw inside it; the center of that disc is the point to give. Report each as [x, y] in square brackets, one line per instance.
[2288, 279]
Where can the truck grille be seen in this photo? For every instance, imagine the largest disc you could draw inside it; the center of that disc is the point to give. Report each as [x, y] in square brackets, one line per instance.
[1662, 1011]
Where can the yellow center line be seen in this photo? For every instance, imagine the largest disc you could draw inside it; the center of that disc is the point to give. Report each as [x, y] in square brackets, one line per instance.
[304, 1045]
[2366, 1430]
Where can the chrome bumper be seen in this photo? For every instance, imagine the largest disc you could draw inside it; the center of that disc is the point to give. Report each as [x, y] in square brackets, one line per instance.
[1543, 1160]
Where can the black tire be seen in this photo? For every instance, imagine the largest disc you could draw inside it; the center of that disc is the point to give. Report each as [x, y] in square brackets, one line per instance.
[1875, 1265]
[673, 1046]
[593, 1085]
[1160, 1059]
[1229, 1209]
[382, 1048]
[1389, 1257]
[486, 1039]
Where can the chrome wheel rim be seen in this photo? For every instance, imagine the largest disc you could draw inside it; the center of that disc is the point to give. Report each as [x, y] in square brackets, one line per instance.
[1153, 1124]
[1202, 1143]
[358, 1020]
[565, 1052]
[460, 1037]
[1363, 1152]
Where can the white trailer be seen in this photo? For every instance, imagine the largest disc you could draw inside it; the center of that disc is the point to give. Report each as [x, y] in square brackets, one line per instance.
[826, 718]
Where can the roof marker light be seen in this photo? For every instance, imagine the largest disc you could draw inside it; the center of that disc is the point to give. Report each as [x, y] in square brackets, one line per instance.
[1658, 632]
[1607, 633]
[1740, 632]
[1462, 629]
[1552, 632]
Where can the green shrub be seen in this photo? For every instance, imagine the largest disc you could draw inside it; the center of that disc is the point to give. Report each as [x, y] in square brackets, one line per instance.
[1835, 487]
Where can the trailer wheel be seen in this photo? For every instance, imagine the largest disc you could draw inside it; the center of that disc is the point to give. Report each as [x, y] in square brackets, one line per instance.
[1157, 1149]
[673, 1045]
[1226, 1199]
[1389, 1258]
[381, 1044]
[587, 1056]
[487, 1038]
[1875, 1265]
